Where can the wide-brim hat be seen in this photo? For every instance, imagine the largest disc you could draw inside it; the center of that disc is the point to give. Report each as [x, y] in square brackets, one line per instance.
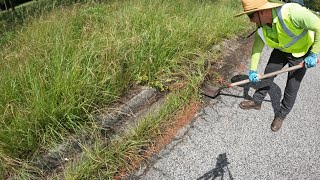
[250, 6]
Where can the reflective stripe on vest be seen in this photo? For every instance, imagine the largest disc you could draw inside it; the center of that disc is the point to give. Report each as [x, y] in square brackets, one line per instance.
[261, 35]
[286, 29]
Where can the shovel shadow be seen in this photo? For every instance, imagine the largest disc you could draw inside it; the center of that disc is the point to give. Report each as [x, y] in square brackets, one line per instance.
[274, 92]
[220, 169]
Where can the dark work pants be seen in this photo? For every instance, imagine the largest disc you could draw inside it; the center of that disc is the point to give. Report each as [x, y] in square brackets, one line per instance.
[277, 61]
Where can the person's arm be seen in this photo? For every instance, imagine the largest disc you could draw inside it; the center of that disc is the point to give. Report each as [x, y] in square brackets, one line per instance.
[256, 52]
[305, 19]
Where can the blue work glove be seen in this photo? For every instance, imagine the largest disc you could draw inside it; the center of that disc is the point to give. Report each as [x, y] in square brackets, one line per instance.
[253, 77]
[311, 60]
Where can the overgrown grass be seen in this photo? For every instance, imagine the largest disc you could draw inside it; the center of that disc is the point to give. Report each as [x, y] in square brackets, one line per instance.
[11, 21]
[103, 162]
[61, 67]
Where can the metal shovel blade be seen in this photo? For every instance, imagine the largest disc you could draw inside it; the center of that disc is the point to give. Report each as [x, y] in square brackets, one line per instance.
[210, 91]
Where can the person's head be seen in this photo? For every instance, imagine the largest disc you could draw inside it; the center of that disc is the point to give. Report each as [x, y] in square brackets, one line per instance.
[261, 17]
[259, 11]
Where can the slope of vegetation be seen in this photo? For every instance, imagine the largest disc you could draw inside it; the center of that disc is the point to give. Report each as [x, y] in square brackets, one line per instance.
[61, 66]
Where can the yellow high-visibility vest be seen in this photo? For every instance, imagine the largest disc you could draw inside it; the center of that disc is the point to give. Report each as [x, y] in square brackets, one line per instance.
[290, 38]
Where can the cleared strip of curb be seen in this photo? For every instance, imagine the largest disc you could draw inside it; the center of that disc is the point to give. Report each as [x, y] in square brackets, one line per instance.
[111, 121]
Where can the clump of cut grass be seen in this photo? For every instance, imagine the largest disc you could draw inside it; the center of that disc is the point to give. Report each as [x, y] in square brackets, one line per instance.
[63, 66]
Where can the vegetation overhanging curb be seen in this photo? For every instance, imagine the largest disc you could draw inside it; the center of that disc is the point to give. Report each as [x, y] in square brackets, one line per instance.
[108, 122]
[176, 57]
[125, 153]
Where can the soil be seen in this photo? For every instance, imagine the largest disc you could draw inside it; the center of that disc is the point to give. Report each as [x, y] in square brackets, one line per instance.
[234, 53]
[226, 69]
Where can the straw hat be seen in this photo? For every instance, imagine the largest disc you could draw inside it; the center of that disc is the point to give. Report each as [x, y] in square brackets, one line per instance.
[256, 5]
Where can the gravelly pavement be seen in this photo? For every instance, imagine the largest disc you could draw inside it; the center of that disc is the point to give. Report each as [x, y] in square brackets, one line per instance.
[226, 142]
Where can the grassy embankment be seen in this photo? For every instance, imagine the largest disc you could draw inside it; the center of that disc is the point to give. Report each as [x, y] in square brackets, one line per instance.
[62, 66]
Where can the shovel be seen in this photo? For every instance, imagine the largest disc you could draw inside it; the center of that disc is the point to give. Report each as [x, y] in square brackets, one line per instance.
[212, 91]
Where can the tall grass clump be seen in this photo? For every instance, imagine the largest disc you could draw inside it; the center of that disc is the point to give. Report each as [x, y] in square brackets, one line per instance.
[12, 20]
[66, 64]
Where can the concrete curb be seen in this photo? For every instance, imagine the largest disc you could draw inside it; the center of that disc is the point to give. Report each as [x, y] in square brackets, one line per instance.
[146, 97]
[65, 152]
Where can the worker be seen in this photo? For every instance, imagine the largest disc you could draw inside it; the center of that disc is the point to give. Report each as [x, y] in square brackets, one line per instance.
[294, 34]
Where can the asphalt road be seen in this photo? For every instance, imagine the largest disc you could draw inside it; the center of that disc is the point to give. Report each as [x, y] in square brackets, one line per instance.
[226, 142]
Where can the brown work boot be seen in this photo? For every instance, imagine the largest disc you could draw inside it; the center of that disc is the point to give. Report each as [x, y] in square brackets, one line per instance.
[249, 105]
[276, 124]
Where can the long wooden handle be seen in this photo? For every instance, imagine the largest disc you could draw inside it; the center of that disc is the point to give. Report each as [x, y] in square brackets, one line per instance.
[301, 65]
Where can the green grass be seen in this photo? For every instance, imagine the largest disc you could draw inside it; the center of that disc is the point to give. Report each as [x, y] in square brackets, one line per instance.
[59, 68]
[103, 162]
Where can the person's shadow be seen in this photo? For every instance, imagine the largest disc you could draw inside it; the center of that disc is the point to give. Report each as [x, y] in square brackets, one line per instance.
[274, 92]
[220, 169]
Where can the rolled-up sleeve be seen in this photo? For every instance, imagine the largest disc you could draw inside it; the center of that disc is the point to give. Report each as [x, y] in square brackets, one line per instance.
[256, 52]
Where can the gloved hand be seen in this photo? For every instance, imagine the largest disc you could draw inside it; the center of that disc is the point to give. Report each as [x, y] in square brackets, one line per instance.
[253, 77]
[311, 60]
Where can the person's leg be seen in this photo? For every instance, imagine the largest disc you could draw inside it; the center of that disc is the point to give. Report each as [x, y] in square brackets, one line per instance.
[290, 92]
[292, 87]
[276, 62]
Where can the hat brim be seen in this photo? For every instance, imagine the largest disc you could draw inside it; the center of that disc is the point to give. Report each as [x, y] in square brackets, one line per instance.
[268, 5]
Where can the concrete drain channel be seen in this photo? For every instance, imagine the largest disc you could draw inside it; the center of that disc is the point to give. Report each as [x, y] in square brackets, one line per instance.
[128, 113]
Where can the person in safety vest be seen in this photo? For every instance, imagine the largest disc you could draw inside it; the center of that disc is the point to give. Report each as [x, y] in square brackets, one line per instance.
[294, 33]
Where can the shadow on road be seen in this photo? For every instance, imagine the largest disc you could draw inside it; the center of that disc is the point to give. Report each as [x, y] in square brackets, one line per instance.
[274, 93]
[219, 170]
